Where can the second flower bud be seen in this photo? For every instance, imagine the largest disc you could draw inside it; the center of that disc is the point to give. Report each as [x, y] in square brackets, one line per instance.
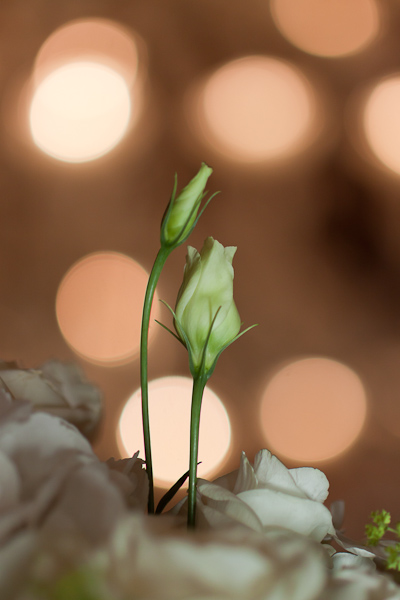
[206, 317]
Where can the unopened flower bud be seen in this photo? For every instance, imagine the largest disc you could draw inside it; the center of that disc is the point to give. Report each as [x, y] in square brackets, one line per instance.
[182, 211]
[206, 317]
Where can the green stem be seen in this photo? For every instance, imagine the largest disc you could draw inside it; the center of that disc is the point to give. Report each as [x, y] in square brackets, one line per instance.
[148, 300]
[199, 383]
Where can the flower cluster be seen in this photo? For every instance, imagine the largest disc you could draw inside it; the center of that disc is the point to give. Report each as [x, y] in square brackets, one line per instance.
[73, 527]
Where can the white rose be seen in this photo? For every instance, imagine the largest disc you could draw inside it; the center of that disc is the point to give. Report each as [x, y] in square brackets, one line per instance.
[52, 485]
[148, 558]
[56, 388]
[268, 494]
[355, 577]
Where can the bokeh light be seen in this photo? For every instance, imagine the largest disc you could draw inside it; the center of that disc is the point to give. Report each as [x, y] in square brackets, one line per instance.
[99, 307]
[80, 111]
[313, 409]
[256, 109]
[94, 40]
[381, 119]
[329, 28]
[169, 407]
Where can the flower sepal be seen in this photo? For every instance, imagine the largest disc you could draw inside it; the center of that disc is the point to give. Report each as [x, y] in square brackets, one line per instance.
[202, 369]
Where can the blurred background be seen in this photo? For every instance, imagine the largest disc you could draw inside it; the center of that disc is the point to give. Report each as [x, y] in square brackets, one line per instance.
[296, 106]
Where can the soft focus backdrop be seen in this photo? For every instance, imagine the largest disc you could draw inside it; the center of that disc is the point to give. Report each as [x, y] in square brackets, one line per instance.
[295, 105]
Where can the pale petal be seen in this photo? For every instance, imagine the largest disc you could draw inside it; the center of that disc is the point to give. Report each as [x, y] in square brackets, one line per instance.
[29, 385]
[231, 505]
[246, 478]
[285, 510]
[312, 482]
[10, 485]
[191, 276]
[358, 548]
[14, 561]
[227, 481]
[129, 475]
[230, 252]
[273, 474]
[306, 577]
[55, 388]
[346, 560]
[90, 505]
[44, 433]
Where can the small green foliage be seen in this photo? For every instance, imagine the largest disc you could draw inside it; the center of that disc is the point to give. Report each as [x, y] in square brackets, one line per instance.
[393, 560]
[375, 532]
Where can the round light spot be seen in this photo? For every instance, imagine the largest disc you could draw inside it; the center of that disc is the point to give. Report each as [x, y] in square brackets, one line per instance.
[99, 307]
[80, 111]
[382, 122]
[313, 409]
[329, 28]
[94, 40]
[169, 407]
[257, 109]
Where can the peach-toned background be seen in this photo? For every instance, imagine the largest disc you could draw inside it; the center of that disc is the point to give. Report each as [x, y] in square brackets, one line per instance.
[317, 227]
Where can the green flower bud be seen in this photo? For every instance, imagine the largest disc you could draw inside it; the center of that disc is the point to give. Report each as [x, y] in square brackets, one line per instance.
[181, 213]
[206, 317]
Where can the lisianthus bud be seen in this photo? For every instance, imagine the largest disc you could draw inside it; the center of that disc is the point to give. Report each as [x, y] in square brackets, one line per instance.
[206, 317]
[182, 211]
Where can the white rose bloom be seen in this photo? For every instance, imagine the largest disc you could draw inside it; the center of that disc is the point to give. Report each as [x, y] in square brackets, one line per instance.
[268, 494]
[52, 484]
[148, 558]
[56, 388]
[356, 578]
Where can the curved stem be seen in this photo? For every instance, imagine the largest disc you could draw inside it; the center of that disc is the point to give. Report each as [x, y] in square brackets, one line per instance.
[199, 382]
[148, 300]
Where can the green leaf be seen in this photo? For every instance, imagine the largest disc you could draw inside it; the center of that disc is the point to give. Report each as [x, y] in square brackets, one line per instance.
[393, 561]
[376, 531]
[171, 492]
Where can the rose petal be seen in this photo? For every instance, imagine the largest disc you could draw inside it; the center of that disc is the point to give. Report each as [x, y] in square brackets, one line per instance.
[312, 482]
[14, 560]
[10, 484]
[229, 504]
[246, 478]
[273, 474]
[285, 510]
[43, 432]
[345, 560]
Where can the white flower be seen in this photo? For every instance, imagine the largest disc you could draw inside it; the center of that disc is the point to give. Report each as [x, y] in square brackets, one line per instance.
[56, 388]
[149, 559]
[356, 578]
[131, 477]
[51, 484]
[268, 494]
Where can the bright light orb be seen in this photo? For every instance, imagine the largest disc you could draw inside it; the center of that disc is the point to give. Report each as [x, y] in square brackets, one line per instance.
[313, 409]
[382, 122]
[97, 40]
[99, 308]
[257, 109]
[169, 407]
[80, 111]
[329, 28]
